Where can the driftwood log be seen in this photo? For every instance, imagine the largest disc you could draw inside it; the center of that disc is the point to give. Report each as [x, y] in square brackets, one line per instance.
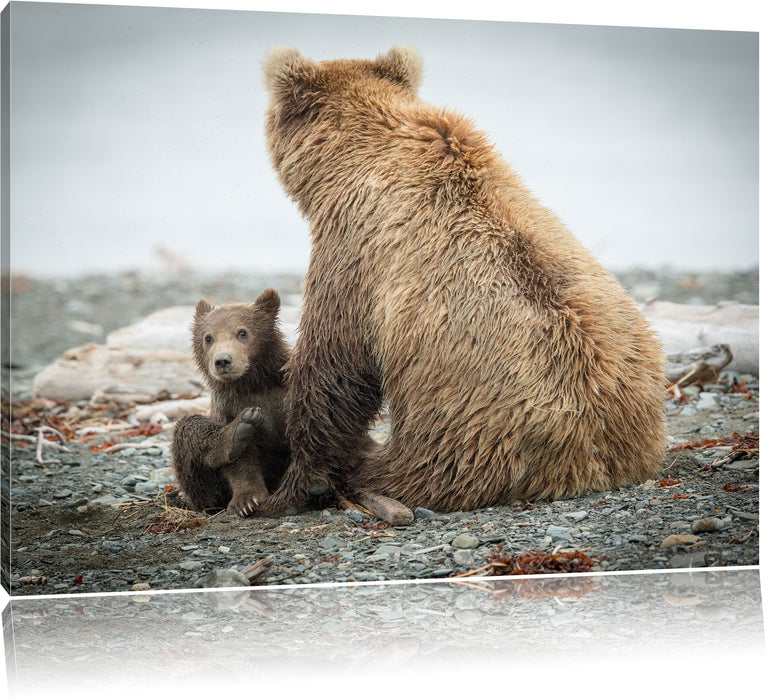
[690, 328]
[151, 359]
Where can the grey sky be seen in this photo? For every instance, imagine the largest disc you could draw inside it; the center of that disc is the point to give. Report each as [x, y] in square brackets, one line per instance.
[136, 127]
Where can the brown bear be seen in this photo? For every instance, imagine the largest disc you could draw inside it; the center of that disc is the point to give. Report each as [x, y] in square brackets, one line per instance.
[232, 458]
[514, 365]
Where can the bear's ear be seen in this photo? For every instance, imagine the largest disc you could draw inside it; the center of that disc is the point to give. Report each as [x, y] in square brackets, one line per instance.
[203, 308]
[268, 301]
[403, 65]
[284, 68]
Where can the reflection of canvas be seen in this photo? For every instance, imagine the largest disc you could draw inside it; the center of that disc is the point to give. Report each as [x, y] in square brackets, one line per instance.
[440, 635]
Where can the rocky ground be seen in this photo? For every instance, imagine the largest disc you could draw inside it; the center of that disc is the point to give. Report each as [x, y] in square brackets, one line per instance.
[100, 517]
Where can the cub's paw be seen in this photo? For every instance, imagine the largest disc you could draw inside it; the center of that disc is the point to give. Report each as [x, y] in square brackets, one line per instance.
[243, 505]
[245, 432]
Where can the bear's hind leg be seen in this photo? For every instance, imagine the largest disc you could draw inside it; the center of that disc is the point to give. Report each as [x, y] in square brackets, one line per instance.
[246, 480]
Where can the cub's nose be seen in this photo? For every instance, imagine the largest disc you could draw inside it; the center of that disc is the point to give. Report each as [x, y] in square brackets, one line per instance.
[223, 362]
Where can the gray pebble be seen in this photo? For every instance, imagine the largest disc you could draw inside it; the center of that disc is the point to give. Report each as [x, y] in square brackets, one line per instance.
[707, 525]
[130, 481]
[64, 493]
[330, 542]
[464, 557]
[577, 515]
[706, 401]
[465, 541]
[558, 533]
[423, 513]
[190, 565]
[355, 516]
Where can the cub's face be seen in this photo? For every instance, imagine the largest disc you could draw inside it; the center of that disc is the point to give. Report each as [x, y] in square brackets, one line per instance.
[227, 340]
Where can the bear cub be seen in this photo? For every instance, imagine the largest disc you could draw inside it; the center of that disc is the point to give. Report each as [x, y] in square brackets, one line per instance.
[234, 457]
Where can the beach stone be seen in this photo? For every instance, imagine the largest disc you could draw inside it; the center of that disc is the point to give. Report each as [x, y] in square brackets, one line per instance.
[355, 516]
[464, 557]
[706, 401]
[556, 532]
[707, 525]
[423, 513]
[676, 540]
[465, 541]
[190, 565]
[330, 542]
[577, 515]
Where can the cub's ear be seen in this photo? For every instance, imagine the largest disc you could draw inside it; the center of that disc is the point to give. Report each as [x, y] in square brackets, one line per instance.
[268, 302]
[403, 65]
[285, 67]
[203, 308]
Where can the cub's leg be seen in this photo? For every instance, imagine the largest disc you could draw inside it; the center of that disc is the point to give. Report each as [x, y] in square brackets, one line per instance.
[246, 479]
[201, 448]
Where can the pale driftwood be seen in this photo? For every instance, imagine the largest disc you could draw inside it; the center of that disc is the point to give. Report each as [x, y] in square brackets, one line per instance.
[698, 365]
[167, 411]
[166, 329]
[258, 570]
[106, 373]
[156, 358]
[682, 327]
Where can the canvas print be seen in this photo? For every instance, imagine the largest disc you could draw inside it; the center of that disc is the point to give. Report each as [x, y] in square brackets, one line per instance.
[294, 299]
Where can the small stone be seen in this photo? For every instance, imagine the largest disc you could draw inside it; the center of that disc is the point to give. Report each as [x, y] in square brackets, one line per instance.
[141, 586]
[706, 401]
[464, 557]
[224, 549]
[355, 516]
[465, 541]
[64, 493]
[330, 542]
[707, 525]
[130, 481]
[556, 532]
[577, 515]
[190, 565]
[688, 411]
[423, 513]
[676, 540]
[390, 550]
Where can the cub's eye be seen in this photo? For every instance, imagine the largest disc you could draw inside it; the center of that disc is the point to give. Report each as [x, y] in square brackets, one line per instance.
[242, 334]
[208, 339]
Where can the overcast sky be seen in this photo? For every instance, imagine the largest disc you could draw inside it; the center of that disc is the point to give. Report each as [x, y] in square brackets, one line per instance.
[134, 128]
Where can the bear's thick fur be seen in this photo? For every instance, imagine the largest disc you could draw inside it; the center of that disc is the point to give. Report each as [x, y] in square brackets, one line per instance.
[514, 365]
[233, 457]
